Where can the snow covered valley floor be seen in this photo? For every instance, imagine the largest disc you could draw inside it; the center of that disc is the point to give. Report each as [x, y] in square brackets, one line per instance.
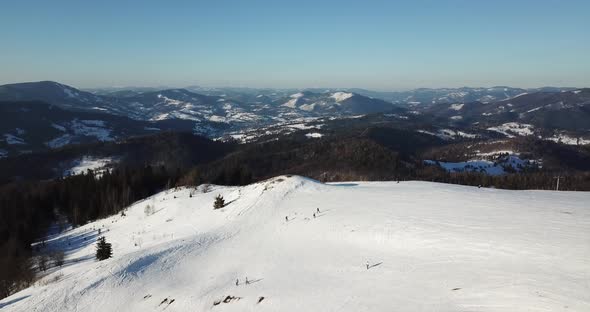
[427, 246]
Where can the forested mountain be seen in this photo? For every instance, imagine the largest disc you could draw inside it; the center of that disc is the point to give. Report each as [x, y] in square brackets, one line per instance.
[568, 110]
[33, 126]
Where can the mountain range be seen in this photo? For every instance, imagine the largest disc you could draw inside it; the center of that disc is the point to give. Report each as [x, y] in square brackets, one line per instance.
[43, 115]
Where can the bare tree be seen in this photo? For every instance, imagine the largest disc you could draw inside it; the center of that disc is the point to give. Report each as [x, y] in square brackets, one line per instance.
[42, 262]
[206, 188]
[58, 258]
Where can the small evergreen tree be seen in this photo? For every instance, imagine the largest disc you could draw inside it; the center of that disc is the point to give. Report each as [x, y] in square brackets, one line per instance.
[219, 202]
[103, 249]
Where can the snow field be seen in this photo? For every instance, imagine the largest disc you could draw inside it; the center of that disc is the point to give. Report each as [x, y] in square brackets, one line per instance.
[430, 247]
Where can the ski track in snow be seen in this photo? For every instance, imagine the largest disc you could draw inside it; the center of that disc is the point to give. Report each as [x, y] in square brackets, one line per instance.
[429, 246]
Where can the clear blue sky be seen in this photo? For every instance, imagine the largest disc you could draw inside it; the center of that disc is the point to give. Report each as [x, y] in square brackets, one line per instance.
[385, 45]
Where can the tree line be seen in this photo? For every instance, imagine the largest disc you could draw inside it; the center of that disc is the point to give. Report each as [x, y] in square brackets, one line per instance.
[28, 208]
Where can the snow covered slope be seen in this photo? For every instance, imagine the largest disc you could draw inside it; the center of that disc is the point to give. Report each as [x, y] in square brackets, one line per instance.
[428, 247]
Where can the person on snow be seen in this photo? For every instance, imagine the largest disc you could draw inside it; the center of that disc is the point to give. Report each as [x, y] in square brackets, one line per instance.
[287, 218]
[237, 281]
[367, 265]
[247, 282]
[314, 215]
[318, 210]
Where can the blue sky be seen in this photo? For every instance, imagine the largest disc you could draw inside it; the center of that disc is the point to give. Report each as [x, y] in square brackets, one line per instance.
[385, 45]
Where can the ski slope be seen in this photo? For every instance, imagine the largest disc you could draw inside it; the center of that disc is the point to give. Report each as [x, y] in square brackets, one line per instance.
[429, 247]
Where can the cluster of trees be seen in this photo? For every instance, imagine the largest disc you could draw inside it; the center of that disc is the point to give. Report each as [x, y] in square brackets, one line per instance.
[327, 159]
[362, 158]
[172, 150]
[23, 217]
[556, 157]
[30, 200]
[538, 180]
[28, 208]
[84, 198]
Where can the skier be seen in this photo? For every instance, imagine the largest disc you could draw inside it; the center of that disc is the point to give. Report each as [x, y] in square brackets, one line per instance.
[237, 281]
[286, 218]
[318, 210]
[314, 215]
[367, 265]
[247, 282]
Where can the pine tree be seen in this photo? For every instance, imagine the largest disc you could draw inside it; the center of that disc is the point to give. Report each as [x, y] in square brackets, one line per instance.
[103, 249]
[219, 202]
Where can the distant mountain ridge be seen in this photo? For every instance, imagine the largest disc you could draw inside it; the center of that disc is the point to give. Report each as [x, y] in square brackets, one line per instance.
[432, 96]
[148, 104]
[568, 110]
[32, 126]
[338, 102]
[247, 114]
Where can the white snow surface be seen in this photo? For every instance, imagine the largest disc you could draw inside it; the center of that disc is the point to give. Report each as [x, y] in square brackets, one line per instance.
[93, 128]
[456, 107]
[69, 92]
[169, 101]
[396, 116]
[308, 107]
[483, 166]
[569, 140]
[518, 95]
[449, 134]
[497, 167]
[216, 118]
[86, 163]
[60, 141]
[13, 139]
[314, 135]
[292, 103]
[58, 127]
[341, 96]
[510, 129]
[429, 247]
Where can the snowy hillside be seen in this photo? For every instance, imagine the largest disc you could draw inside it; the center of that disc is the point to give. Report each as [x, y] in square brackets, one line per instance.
[374, 246]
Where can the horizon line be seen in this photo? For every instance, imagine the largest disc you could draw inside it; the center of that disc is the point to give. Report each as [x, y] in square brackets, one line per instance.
[190, 86]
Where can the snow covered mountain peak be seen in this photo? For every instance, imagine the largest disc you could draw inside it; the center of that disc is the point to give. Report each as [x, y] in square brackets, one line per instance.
[297, 95]
[341, 96]
[306, 246]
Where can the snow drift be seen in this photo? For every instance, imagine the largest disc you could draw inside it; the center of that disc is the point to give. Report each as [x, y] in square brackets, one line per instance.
[373, 246]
